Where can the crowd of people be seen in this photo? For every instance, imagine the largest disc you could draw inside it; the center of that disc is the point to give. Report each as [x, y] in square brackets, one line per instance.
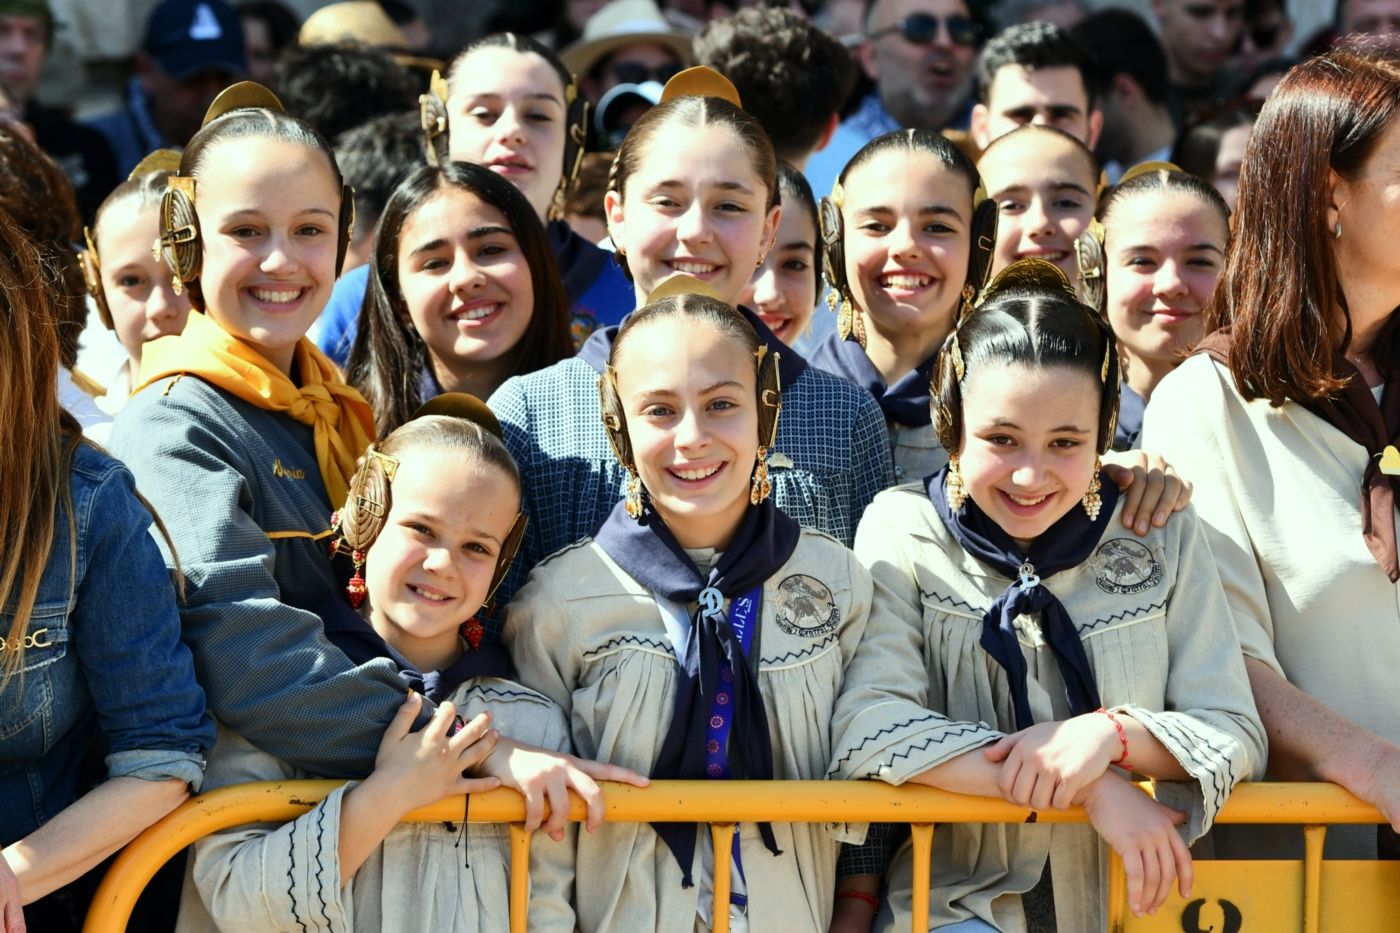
[989, 397]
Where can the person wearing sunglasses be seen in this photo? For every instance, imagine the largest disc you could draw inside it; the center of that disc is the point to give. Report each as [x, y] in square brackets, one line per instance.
[920, 55]
[1035, 73]
[626, 42]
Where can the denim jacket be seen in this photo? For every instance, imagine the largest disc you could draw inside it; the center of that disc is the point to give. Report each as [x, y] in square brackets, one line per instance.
[104, 670]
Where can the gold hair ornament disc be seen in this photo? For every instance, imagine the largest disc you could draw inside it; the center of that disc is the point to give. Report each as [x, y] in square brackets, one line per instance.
[701, 81]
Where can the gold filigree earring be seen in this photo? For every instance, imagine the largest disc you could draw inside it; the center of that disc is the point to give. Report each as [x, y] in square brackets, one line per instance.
[1091, 501]
[953, 489]
[968, 294]
[762, 486]
[634, 494]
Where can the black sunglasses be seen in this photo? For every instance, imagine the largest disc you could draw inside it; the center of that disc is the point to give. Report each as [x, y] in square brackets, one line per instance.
[922, 28]
[637, 73]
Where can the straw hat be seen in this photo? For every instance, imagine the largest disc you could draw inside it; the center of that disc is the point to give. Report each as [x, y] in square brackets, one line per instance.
[620, 24]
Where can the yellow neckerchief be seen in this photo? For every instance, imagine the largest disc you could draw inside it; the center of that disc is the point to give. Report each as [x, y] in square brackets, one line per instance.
[343, 420]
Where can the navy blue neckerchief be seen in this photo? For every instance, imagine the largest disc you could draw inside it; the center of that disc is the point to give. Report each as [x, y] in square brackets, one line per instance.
[648, 552]
[1131, 407]
[906, 402]
[361, 643]
[1063, 546]
[596, 348]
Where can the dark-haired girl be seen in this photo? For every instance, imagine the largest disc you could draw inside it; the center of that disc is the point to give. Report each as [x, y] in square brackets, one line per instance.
[693, 191]
[1164, 243]
[700, 633]
[464, 293]
[1289, 420]
[513, 107]
[1052, 644]
[783, 291]
[242, 434]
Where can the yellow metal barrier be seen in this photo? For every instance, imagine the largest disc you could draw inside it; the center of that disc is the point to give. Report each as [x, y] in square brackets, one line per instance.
[725, 803]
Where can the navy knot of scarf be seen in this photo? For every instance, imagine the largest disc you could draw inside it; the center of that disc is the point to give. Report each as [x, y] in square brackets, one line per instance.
[361, 644]
[650, 554]
[1062, 546]
[905, 403]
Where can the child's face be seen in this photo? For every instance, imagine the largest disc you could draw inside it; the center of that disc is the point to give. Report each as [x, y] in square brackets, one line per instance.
[906, 221]
[1044, 191]
[268, 215]
[783, 291]
[136, 285]
[1029, 437]
[694, 206]
[1164, 253]
[506, 111]
[431, 566]
[464, 280]
[689, 396]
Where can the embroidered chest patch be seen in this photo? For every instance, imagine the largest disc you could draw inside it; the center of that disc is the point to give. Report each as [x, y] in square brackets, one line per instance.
[806, 607]
[1125, 566]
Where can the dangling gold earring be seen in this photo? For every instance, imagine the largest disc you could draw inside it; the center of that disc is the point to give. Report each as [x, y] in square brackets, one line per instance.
[845, 318]
[559, 204]
[968, 294]
[634, 494]
[953, 489]
[762, 486]
[1091, 501]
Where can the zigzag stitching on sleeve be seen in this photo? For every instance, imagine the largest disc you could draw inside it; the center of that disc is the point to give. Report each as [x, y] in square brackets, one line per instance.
[514, 694]
[794, 655]
[1189, 742]
[320, 865]
[634, 640]
[291, 866]
[945, 734]
[933, 739]
[1120, 616]
[951, 601]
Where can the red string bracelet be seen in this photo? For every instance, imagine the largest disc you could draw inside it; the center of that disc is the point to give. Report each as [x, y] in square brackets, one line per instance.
[870, 899]
[1122, 760]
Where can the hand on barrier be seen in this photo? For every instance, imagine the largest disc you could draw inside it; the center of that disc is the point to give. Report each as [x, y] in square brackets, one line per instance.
[425, 766]
[12, 920]
[1153, 489]
[1143, 833]
[1051, 763]
[1381, 784]
[542, 775]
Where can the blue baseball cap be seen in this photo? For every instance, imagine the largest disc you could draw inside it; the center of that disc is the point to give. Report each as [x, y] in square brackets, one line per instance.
[186, 37]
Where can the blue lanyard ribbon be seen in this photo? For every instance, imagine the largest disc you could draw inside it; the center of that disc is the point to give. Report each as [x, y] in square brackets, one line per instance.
[742, 612]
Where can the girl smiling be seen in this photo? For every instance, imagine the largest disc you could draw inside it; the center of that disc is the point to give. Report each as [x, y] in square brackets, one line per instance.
[1051, 644]
[699, 600]
[464, 293]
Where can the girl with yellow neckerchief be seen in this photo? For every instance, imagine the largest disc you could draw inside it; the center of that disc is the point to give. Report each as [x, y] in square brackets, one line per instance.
[242, 434]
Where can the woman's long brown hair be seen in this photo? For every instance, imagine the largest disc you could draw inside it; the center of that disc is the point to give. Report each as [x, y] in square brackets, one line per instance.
[1280, 288]
[37, 444]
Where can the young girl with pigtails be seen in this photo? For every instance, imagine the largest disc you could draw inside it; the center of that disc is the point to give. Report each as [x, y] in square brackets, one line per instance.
[433, 513]
[242, 434]
[700, 633]
[1042, 652]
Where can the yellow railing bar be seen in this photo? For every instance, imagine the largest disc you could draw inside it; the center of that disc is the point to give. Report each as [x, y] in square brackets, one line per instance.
[922, 836]
[722, 843]
[669, 801]
[519, 868]
[1313, 837]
